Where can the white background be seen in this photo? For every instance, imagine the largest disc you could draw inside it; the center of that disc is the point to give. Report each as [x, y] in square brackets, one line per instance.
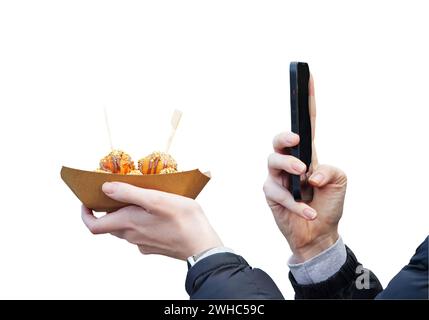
[225, 64]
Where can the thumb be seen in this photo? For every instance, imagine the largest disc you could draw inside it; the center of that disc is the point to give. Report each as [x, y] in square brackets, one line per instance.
[152, 201]
[124, 192]
[324, 175]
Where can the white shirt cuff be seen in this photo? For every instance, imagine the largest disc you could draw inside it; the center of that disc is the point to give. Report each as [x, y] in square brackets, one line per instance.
[320, 267]
[209, 253]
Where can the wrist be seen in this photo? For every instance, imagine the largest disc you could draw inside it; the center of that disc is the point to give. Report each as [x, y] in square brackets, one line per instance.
[205, 241]
[320, 267]
[192, 260]
[316, 246]
[200, 249]
[197, 234]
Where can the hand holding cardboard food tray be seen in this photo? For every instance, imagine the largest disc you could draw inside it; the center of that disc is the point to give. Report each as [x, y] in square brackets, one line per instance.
[86, 185]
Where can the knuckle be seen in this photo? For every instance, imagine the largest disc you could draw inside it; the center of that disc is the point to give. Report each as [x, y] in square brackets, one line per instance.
[130, 240]
[266, 186]
[270, 159]
[94, 229]
[341, 176]
[344, 177]
[276, 139]
[144, 250]
[335, 173]
[286, 204]
[157, 200]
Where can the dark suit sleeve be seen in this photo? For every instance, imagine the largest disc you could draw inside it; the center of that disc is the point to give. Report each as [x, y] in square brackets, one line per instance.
[229, 276]
[352, 281]
[412, 281]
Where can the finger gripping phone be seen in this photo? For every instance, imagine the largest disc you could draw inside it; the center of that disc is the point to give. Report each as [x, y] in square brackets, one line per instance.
[300, 124]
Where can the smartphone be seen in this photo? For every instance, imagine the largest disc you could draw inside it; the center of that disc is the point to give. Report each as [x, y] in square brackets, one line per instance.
[300, 123]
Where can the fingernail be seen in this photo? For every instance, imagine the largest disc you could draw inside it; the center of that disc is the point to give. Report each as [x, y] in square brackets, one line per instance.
[108, 187]
[299, 167]
[317, 178]
[310, 213]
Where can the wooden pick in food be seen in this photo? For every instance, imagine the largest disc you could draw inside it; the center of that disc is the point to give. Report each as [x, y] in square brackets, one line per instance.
[175, 120]
[106, 119]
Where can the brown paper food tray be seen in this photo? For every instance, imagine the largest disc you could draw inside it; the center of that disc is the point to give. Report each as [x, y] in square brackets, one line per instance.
[86, 185]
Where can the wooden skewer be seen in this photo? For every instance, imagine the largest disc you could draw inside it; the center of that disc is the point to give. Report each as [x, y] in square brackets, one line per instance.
[106, 119]
[175, 120]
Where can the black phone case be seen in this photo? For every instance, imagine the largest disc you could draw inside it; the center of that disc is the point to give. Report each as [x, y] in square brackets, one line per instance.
[300, 120]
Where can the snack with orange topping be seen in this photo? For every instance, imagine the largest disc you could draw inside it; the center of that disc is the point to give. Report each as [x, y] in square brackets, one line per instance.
[157, 171]
[117, 161]
[157, 162]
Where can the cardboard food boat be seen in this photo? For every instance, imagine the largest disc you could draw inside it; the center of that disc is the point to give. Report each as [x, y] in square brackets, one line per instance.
[86, 185]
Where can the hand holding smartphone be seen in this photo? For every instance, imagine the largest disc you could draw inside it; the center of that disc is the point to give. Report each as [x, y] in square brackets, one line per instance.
[301, 125]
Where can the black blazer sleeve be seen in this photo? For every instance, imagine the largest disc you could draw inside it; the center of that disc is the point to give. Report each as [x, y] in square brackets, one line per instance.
[412, 281]
[343, 284]
[229, 276]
